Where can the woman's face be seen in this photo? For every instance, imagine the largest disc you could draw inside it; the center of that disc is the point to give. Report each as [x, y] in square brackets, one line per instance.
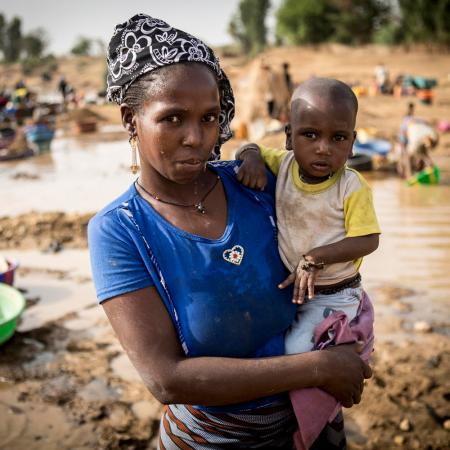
[179, 124]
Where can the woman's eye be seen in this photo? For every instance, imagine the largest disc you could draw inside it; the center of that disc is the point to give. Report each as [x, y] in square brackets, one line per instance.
[210, 118]
[172, 119]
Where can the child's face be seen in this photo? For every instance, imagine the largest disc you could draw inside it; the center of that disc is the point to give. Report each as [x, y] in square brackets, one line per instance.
[321, 134]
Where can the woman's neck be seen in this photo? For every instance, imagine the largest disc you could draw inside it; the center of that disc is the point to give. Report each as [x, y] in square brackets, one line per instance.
[165, 189]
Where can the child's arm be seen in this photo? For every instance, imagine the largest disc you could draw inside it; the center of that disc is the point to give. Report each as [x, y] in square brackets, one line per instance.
[252, 172]
[348, 249]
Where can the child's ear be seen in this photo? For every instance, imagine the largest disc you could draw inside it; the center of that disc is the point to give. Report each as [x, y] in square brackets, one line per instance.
[288, 131]
[353, 142]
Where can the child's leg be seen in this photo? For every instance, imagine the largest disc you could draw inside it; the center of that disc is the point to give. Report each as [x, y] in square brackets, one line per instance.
[300, 335]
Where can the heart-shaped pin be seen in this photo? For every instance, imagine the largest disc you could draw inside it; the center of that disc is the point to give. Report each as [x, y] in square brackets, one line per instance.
[234, 255]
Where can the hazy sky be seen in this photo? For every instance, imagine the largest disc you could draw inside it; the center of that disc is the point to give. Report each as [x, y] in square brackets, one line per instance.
[65, 20]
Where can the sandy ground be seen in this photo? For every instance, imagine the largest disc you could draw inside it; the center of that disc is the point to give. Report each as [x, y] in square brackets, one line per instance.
[64, 380]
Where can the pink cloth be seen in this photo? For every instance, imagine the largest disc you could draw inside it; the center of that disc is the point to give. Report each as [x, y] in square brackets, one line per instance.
[314, 407]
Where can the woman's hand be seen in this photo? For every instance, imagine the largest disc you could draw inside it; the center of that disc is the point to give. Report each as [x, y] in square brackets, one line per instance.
[252, 172]
[344, 372]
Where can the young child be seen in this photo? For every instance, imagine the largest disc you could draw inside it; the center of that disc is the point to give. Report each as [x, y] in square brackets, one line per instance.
[325, 215]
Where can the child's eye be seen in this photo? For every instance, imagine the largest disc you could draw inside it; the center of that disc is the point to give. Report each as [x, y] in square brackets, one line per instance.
[310, 134]
[339, 137]
[210, 118]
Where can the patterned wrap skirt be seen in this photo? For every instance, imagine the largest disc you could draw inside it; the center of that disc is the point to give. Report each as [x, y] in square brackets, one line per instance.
[183, 427]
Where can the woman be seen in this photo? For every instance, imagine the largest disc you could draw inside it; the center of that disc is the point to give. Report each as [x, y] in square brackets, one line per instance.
[186, 264]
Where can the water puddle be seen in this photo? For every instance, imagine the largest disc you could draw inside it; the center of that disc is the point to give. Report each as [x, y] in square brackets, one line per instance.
[413, 253]
[77, 176]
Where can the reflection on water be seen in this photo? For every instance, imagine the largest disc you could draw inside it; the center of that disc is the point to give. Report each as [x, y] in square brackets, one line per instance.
[77, 176]
[414, 247]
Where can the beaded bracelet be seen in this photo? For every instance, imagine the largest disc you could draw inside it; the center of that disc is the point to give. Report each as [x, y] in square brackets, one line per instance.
[307, 266]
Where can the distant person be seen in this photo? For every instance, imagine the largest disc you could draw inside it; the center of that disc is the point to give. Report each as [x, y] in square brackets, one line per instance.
[20, 85]
[268, 83]
[417, 138]
[287, 78]
[63, 88]
[325, 216]
[382, 78]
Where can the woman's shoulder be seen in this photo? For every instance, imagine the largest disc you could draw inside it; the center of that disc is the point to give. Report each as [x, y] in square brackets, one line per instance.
[229, 169]
[107, 213]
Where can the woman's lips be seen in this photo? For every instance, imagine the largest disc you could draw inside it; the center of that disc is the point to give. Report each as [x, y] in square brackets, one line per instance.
[192, 163]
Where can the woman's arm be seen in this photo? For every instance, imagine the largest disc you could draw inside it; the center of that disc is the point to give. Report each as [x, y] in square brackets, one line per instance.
[146, 332]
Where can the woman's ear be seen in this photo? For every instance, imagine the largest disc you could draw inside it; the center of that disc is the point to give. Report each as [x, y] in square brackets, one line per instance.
[288, 131]
[127, 118]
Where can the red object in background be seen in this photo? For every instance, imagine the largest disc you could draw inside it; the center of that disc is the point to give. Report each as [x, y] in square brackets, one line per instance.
[8, 276]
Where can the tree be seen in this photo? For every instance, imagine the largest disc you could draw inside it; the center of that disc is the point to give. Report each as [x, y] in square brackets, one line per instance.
[13, 40]
[426, 21]
[345, 21]
[248, 25]
[305, 21]
[2, 34]
[82, 46]
[356, 21]
[34, 43]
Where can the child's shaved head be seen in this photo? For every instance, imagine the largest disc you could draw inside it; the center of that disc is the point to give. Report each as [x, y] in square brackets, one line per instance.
[326, 90]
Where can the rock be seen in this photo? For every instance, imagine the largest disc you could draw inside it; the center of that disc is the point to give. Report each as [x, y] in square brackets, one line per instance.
[405, 425]
[146, 410]
[123, 368]
[399, 440]
[446, 424]
[119, 417]
[423, 327]
[59, 390]
[97, 390]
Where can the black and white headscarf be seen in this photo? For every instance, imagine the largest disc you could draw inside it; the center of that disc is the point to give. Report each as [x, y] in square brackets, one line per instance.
[142, 44]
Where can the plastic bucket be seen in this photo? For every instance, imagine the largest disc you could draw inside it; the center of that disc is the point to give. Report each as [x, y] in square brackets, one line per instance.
[7, 277]
[429, 175]
[12, 304]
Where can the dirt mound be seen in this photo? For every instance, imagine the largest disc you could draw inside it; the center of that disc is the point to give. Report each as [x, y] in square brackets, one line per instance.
[406, 403]
[82, 115]
[44, 230]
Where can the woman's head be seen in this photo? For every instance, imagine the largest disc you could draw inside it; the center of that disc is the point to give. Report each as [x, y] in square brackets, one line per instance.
[141, 54]
[176, 120]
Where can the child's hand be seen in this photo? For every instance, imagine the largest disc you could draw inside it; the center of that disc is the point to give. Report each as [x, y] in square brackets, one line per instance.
[303, 278]
[252, 172]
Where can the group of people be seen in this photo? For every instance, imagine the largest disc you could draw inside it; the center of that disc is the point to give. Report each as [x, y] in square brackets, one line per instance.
[231, 284]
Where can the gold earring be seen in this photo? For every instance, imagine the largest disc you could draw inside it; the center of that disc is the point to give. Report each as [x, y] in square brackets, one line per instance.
[134, 164]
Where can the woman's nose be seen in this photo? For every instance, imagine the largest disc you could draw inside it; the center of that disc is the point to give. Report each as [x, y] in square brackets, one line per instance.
[192, 136]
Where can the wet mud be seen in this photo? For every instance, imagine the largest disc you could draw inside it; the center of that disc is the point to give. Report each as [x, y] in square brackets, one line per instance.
[65, 382]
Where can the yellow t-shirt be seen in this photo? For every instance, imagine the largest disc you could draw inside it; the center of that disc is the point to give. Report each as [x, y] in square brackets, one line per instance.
[313, 215]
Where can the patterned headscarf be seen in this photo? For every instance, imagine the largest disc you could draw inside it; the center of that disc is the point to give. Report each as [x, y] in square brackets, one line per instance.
[142, 44]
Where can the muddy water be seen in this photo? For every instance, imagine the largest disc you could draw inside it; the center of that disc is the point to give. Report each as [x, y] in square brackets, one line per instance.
[82, 175]
[408, 274]
[77, 176]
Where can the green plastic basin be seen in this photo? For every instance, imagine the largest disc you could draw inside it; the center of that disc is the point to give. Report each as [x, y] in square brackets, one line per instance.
[12, 303]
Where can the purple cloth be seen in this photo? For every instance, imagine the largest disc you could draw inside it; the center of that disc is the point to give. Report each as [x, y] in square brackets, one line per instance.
[314, 407]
